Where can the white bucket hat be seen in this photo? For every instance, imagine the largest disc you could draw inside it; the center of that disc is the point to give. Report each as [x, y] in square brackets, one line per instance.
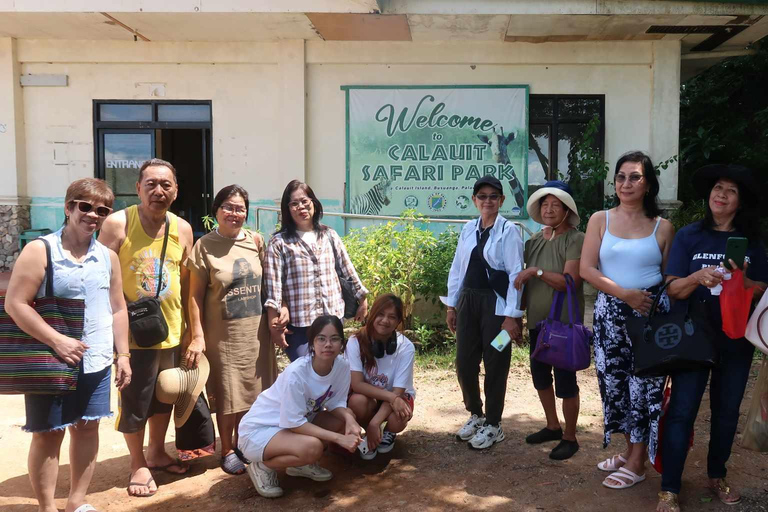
[561, 191]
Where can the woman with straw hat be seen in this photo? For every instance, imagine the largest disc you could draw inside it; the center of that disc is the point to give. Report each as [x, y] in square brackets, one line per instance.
[549, 255]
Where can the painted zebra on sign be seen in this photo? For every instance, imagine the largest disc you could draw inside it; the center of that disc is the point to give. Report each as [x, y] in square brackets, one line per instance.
[371, 202]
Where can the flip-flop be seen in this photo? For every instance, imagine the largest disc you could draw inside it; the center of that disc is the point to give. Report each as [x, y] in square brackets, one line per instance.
[176, 462]
[609, 464]
[140, 484]
[625, 476]
[722, 490]
[232, 465]
[86, 507]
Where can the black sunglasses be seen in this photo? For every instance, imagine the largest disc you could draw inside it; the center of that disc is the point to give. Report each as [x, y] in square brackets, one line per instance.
[85, 207]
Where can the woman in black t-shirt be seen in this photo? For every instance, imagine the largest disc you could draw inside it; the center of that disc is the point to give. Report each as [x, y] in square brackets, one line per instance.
[697, 251]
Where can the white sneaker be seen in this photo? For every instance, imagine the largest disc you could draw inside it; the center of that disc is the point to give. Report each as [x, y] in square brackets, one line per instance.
[264, 480]
[365, 452]
[487, 436]
[387, 442]
[470, 428]
[312, 471]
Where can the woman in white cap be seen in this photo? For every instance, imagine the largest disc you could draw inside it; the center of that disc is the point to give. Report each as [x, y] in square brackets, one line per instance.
[304, 410]
[481, 302]
[695, 263]
[624, 254]
[549, 254]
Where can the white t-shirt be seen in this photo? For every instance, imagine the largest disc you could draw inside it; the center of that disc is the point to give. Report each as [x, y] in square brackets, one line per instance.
[309, 237]
[391, 371]
[298, 395]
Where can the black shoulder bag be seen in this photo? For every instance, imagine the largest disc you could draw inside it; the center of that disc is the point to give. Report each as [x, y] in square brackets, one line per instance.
[498, 279]
[145, 318]
[676, 341]
[347, 286]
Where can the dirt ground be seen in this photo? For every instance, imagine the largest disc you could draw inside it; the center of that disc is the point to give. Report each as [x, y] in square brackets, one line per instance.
[427, 470]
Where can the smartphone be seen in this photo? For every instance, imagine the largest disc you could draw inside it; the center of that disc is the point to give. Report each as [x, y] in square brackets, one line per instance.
[736, 250]
[501, 340]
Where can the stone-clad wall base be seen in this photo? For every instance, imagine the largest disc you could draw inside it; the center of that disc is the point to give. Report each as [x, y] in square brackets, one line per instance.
[13, 220]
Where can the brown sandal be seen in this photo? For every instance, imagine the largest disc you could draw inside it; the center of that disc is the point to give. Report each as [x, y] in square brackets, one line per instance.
[724, 492]
[670, 500]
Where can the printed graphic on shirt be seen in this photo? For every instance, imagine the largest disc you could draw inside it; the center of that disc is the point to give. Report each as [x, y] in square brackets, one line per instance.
[711, 259]
[145, 265]
[315, 405]
[243, 298]
[379, 380]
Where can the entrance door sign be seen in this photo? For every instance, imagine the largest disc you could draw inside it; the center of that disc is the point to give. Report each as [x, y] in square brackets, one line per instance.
[423, 147]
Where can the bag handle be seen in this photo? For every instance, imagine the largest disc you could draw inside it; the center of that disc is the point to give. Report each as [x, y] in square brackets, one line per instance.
[336, 263]
[556, 310]
[48, 268]
[759, 333]
[655, 304]
[570, 287]
[162, 256]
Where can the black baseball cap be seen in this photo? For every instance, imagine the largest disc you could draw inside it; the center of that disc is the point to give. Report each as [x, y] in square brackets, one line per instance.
[490, 181]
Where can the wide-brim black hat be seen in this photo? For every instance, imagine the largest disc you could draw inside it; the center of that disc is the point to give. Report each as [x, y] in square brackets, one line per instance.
[706, 177]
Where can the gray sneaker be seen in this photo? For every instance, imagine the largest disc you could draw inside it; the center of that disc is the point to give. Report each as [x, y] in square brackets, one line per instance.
[486, 436]
[311, 471]
[470, 428]
[264, 480]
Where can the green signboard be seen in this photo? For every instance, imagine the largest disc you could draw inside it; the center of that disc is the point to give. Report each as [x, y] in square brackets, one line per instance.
[423, 147]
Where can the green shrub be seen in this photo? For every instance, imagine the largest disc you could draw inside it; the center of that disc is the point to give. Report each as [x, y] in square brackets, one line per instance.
[403, 258]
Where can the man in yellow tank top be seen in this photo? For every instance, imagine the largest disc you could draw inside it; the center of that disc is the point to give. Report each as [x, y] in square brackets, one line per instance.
[136, 235]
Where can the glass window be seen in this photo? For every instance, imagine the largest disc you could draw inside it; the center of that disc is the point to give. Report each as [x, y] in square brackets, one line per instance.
[123, 155]
[542, 107]
[538, 156]
[184, 113]
[125, 112]
[578, 107]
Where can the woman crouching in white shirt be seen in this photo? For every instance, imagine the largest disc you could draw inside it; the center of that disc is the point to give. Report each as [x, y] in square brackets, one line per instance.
[291, 422]
[381, 360]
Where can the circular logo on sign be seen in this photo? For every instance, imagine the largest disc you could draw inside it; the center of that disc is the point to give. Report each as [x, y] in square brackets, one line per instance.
[436, 202]
[411, 201]
[668, 336]
[462, 202]
[515, 211]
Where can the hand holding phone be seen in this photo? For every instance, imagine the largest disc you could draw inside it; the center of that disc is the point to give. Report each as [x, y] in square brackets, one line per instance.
[501, 340]
[736, 250]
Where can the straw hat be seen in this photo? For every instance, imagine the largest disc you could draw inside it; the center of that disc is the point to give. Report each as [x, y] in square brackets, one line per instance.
[181, 387]
[561, 191]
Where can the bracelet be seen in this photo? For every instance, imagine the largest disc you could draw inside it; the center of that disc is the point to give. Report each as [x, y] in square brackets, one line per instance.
[123, 354]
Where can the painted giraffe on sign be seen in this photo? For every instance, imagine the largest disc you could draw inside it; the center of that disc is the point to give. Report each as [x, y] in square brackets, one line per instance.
[498, 143]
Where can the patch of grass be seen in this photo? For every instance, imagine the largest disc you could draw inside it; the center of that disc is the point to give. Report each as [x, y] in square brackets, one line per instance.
[446, 359]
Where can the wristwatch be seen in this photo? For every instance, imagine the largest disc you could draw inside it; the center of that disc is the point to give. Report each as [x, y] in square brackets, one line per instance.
[539, 273]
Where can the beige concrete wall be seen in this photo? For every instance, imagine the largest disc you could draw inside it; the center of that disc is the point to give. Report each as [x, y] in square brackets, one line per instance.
[278, 111]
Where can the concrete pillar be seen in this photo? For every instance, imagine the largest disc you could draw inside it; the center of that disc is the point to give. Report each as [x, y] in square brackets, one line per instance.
[292, 113]
[665, 113]
[14, 207]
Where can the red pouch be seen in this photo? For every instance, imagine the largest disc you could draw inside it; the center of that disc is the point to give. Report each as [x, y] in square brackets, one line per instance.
[657, 463]
[735, 302]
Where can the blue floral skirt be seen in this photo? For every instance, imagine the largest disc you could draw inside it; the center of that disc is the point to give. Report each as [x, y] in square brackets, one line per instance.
[631, 405]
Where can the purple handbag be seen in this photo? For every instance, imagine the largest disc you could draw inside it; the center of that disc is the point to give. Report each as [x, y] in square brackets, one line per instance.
[564, 346]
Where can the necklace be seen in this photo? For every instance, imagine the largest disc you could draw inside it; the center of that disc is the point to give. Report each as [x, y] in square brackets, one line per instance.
[236, 237]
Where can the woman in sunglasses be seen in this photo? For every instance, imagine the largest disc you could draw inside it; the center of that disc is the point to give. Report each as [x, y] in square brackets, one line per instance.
[624, 255]
[300, 271]
[225, 314]
[83, 268]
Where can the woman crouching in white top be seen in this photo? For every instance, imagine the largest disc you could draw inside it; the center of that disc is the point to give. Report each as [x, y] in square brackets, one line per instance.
[381, 360]
[291, 422]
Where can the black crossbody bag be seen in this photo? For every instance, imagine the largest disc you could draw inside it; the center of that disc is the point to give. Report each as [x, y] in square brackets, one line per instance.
[498, 279]
[145, 318]
[347, 286]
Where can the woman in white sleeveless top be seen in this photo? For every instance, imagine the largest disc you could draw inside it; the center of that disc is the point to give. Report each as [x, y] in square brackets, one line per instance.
[624, 254]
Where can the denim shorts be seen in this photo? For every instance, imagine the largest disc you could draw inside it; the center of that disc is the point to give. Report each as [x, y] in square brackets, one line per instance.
[90, 401]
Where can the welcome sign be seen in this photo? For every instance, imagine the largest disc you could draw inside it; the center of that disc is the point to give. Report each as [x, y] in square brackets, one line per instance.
[423, 147]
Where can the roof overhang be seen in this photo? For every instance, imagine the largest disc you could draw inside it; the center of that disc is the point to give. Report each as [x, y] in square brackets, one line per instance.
[708, 31]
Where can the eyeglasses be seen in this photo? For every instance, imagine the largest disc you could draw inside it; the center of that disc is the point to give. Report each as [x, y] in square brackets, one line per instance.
[85, 207]
[633, 178]
[233, 209]
[305, 203]
[322, 339]
[491, 197]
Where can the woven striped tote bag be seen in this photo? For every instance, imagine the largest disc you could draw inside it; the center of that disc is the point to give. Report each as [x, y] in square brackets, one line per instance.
[28, 366]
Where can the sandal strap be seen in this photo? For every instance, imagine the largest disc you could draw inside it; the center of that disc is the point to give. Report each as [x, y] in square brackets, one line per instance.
[669, 498]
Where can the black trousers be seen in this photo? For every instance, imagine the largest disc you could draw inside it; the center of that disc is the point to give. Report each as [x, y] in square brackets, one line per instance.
[476, 326]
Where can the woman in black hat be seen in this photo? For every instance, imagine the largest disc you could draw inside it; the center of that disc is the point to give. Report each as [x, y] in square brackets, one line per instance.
[695, 262]
[481, 303]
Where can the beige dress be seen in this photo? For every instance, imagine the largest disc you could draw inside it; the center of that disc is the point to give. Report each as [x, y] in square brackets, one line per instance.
[242, 365]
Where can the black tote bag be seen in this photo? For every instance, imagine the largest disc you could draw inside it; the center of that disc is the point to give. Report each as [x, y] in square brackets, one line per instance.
[663, 343]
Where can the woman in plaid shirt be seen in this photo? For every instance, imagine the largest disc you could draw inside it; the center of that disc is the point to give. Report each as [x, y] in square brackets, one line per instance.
[300, 271]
